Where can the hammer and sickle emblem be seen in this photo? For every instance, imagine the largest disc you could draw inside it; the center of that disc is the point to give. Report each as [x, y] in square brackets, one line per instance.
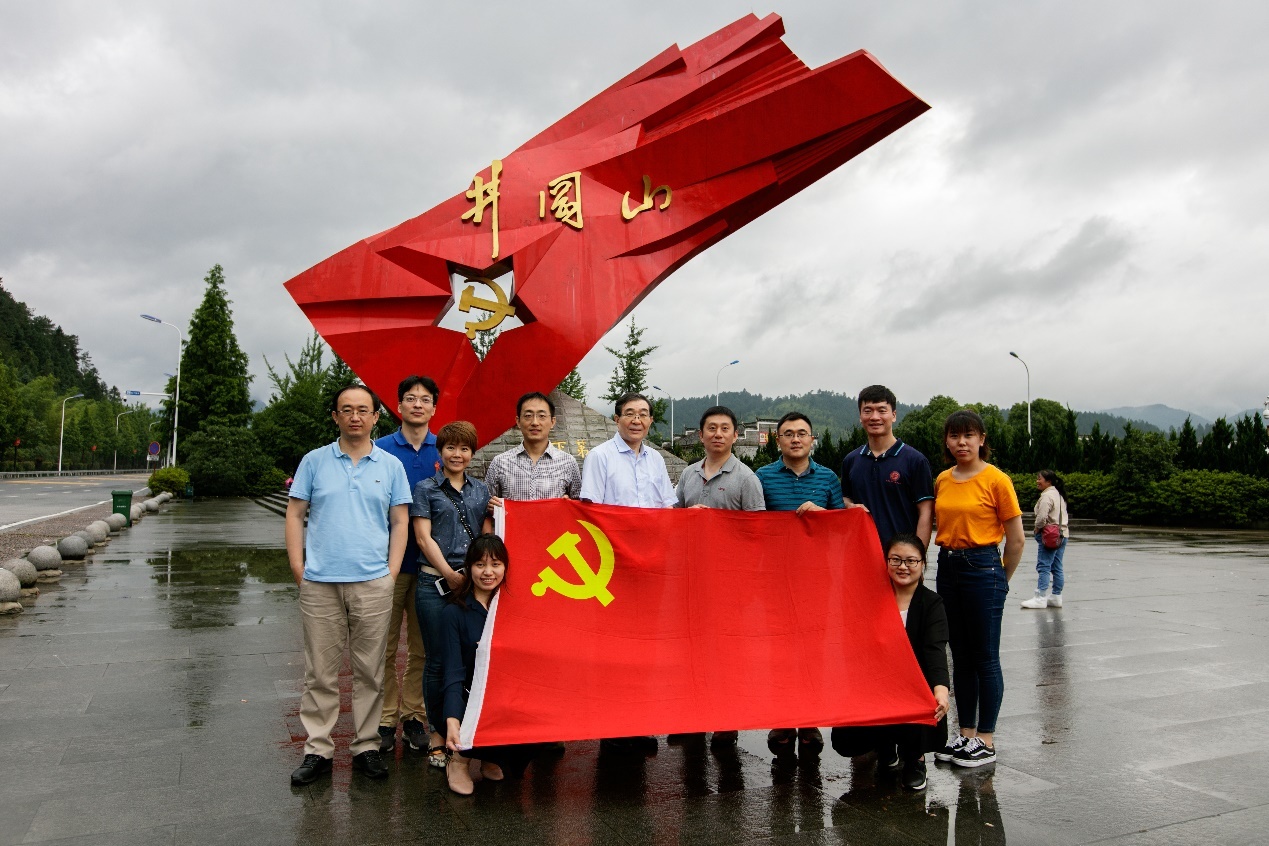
[498, 309]
[594, 582]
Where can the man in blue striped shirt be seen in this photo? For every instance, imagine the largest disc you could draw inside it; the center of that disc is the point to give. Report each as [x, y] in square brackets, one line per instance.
[796, 483]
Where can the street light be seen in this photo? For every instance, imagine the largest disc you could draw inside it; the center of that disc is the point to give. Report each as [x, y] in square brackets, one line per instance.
[117, 416]
[719, 374]
[1028, 369]
[176, 413]
[62, 433]
[671, 399]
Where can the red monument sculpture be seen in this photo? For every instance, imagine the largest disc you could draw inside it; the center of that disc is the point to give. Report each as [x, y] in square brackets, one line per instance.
[590, 215]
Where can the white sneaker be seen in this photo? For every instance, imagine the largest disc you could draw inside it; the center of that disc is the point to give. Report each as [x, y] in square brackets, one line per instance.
[1039, 602]
[1055, 601]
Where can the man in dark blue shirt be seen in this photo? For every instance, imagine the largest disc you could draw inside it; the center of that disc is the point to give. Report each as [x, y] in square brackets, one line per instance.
[888, 477]
[415, 447]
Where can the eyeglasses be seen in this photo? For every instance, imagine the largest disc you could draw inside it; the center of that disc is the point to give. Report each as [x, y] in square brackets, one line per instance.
[531, 416]
[896, 562]
[636, 415]
[411, 399]
[356, 412]
[799, 435]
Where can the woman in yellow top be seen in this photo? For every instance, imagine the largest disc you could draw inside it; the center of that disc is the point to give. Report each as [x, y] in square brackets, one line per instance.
[976, 507]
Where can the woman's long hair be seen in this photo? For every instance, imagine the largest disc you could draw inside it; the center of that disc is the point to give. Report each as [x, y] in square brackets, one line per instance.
[485, 544]
[1055, 480]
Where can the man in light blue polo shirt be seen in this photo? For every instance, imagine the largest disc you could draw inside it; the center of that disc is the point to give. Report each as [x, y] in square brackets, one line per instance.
[356, 499]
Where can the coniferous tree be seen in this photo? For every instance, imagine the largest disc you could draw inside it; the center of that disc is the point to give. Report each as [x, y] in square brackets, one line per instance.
[1187, 448]
[215, 383]
[631, 373]
[1214, 451]
[573, 386]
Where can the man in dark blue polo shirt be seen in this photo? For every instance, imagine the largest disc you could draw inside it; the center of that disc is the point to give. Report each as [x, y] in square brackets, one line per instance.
[415, 447]
[796, 483]
[888, 477]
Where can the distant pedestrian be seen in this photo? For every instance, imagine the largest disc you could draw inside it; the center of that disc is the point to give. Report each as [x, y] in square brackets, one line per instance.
[356, 498]
[1050, 510]
[976, 507]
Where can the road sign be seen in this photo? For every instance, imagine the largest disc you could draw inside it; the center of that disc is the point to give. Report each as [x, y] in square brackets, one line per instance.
[134, 393]
[154, 448]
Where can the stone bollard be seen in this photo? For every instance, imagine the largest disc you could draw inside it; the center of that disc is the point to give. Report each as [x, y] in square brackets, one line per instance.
[86, 536]
[117, 523]
[10, 593]
[72, 548]
[99, 530]
[137, 512]
[164, 497]
[26, 573]
[45, 558]
[151, 505]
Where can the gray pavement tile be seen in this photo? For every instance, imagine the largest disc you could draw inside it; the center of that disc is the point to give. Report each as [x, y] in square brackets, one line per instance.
[1201, 705]
[1236, 828]
[85, 779]
[18, 815]
[1240, 778]
[163, 835]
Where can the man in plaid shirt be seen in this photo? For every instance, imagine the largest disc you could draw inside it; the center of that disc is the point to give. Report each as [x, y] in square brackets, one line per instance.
[535, 469]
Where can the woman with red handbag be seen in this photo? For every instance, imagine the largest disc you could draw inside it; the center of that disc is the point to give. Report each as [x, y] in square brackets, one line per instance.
[1051, 533]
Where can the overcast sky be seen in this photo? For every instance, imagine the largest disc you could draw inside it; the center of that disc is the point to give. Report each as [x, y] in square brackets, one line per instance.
[1088, 188]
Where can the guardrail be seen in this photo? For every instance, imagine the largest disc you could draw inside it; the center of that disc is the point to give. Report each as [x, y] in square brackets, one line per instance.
[35, 474]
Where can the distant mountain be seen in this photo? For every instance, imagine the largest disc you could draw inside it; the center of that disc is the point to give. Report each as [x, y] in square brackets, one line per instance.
[1163, 416]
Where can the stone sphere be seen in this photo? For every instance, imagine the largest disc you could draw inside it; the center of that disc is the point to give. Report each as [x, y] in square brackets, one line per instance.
[151, 505]
[10, 587]
[72, 547]
[164, 497]
[45, 558]
[86, 536]
[116, 522]
[99, 530]
[23, 569]
[137, 511]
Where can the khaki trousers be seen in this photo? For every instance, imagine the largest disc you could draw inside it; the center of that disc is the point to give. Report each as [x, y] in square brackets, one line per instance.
[335, 615]
[404, 701]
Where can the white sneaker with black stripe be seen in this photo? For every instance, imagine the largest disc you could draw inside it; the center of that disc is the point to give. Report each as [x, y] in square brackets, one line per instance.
[974, 753]
[949, 751]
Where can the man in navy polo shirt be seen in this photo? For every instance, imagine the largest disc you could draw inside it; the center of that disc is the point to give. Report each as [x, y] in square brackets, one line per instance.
[345, 560]
[796, 483]
[415, 447]
[888, 477]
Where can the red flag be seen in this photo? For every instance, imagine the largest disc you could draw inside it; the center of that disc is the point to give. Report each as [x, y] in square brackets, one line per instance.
[631, 621]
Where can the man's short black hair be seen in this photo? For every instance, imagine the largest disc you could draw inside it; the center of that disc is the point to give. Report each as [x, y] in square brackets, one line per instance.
[412, 381]
[354, 386]
[794, 415]
[878, 393]
[534, 395]
[627, 398]
[717, 411]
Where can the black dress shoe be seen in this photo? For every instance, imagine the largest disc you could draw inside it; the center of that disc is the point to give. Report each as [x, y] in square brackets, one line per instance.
[387, 739]
[371, 764]
[914, 774]
[307, 772]
[629, 745]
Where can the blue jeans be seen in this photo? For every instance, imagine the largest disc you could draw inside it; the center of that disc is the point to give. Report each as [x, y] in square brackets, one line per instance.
[1050, 560]
[428, 605]
[973, 586]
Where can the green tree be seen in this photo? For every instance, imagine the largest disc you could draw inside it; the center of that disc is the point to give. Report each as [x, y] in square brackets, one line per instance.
[573, 386]
[1142, 458]
[1215, 450]
[631, 372]
[922, 428]
[215, 384]
[297, 418]
[227, 460]
[1187, 449]
[1249, 454]
[1098, 453]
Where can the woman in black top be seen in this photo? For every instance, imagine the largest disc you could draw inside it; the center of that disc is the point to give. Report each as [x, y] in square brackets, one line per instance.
[926, 625]
[462, 626]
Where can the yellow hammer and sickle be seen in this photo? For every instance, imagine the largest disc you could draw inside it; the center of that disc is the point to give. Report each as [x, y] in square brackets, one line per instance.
[498, 309]
[594, 582]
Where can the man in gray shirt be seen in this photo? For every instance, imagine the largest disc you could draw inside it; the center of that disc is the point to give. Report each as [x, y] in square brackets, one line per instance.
[719, 480]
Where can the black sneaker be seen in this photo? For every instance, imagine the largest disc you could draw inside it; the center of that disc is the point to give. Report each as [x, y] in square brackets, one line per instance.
[387, 739]
[974, 753]
[914, 774]
[415, 734]
[307, 772]
[888, 758]
[949, 751]
[371, 764]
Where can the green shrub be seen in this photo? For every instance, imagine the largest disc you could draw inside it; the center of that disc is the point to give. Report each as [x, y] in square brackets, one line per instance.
[226, 461]
[1209, 498]
[174, 480]
[272, 481]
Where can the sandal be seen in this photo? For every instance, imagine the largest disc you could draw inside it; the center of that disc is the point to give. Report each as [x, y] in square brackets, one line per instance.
[780, 742]
[437, 756]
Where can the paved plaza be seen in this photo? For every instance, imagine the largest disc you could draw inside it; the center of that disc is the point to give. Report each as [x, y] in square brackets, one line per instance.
[151, 697]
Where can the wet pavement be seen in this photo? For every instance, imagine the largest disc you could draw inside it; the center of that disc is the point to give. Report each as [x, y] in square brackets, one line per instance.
[151, 697]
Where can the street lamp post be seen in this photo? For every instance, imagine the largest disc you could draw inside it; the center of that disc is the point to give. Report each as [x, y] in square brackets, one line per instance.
[1028, 369]
[117, 416]
[718, 375]
[62, 433]
[176, 411]
[671, 399]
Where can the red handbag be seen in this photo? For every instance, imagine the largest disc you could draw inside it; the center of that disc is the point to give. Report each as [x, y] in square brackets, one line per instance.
[1051, 535]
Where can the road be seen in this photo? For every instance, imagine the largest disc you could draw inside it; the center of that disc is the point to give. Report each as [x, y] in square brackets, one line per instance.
[29, 499]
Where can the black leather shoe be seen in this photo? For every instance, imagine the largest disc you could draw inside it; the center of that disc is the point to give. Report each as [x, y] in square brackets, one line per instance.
[307, 772]
[371, 764]
[387, 739]
[914, 774]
